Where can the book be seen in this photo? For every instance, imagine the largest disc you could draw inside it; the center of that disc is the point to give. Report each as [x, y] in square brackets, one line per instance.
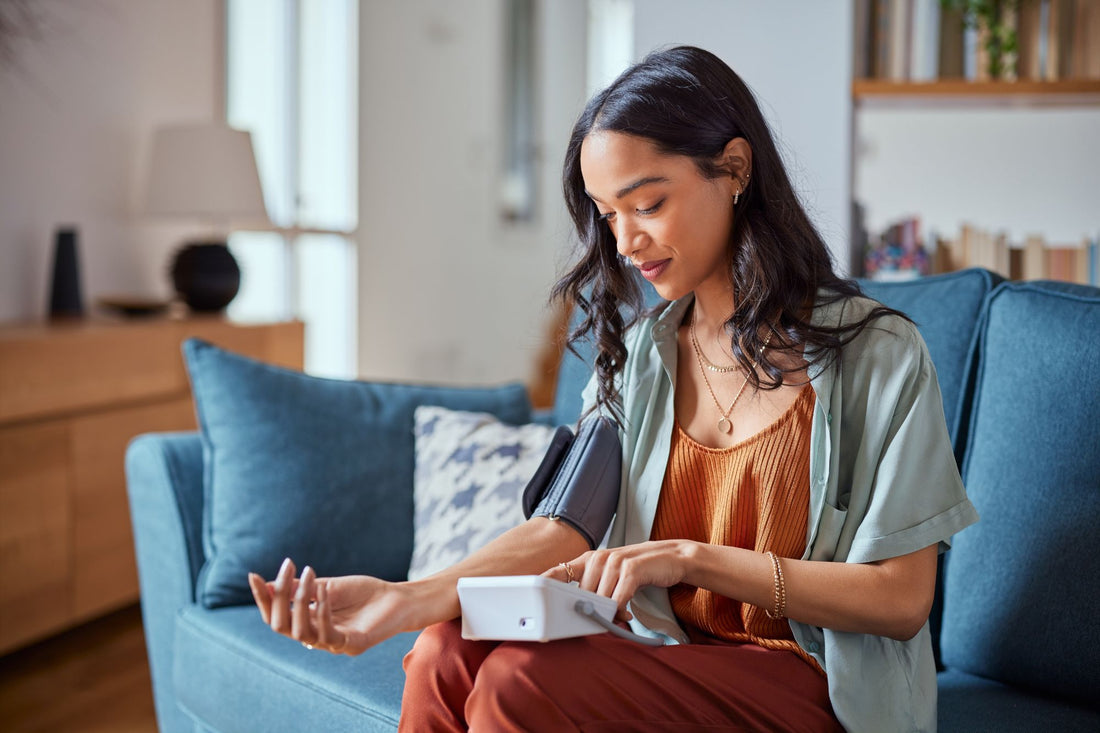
[1029, 62]
[951, 50]
[900, 39]
[863, 33]
[1035, 259]
[925, 40]
[1059, 39]
[881, 21]
[1085, 63]
[1095, 262]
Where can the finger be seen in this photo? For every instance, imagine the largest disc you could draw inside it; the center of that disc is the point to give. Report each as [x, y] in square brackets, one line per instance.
[594, 568]
[567, 572]
[301, 627]
[610, 576]
[262, 595]
[280, 601]
[557, 572]
[626, 583]
[328, 636]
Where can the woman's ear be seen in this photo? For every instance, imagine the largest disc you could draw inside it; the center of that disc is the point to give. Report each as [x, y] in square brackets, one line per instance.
[737, 161]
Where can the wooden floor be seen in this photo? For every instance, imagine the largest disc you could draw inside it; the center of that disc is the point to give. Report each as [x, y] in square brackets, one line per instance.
[93, 679]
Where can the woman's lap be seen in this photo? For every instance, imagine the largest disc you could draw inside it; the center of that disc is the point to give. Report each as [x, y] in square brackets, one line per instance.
[603, 683]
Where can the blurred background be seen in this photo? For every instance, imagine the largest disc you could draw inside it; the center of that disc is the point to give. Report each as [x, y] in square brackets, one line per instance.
[410, 153]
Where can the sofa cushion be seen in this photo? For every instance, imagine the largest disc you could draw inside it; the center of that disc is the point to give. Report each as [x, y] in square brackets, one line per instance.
[320, 470]
[1021, 585]
[976, 705]
[277, 683]
[945, 309]
[471, 470]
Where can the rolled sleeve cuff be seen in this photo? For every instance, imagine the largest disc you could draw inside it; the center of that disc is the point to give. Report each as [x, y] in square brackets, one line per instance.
[933, 530]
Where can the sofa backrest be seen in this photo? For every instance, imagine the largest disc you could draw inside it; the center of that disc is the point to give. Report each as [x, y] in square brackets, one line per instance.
[945, 309]
[1022, 584]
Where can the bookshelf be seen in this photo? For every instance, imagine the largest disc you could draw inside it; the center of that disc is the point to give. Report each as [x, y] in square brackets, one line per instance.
[941, 146]
[1065, 92]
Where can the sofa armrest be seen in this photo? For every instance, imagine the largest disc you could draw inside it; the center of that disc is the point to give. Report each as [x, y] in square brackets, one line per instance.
[165, 488]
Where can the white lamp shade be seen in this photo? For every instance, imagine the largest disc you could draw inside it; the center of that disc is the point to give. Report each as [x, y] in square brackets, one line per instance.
[205, 171]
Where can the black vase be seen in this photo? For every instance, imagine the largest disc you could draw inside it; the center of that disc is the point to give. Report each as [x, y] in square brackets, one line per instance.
[65, 300]
[206, 276]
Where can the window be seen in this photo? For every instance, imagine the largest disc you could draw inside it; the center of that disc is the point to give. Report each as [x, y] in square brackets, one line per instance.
[610, 41]
[291, 79]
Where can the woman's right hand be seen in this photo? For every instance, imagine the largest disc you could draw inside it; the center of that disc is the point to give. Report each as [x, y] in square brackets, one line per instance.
[342, 615]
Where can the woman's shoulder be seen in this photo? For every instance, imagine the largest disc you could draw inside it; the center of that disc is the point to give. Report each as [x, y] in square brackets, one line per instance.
[882, 334]
[849, 312]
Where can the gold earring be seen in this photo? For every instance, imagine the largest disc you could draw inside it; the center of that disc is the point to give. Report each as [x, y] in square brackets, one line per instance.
[737, 195]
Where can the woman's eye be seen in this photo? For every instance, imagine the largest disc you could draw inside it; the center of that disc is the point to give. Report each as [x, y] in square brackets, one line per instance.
[608, 216]
[651, 209]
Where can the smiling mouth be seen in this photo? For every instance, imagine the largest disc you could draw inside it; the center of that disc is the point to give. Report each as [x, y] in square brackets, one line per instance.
[652, 268]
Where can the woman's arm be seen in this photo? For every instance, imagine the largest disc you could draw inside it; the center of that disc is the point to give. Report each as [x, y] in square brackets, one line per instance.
[349, 614]
[886, 598]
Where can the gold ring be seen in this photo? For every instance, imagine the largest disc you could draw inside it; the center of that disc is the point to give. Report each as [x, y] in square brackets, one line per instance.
[570, 576]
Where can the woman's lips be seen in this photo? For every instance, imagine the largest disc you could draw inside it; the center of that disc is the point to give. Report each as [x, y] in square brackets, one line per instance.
[653, 269]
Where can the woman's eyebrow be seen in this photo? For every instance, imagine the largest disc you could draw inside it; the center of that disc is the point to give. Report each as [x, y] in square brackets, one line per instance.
[632, 187]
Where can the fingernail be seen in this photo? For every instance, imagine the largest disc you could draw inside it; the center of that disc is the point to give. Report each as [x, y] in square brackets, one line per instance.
[285, 565]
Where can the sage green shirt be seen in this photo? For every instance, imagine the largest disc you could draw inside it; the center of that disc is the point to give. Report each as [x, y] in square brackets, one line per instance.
[883, 483]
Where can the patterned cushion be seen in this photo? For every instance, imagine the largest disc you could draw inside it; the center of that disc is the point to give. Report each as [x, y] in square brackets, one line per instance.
[470, 472]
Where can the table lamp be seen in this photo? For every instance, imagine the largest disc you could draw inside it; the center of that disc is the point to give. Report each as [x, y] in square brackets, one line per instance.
[205, 172]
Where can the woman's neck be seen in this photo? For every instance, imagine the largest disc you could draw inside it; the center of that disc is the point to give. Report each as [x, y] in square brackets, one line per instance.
[712, 308]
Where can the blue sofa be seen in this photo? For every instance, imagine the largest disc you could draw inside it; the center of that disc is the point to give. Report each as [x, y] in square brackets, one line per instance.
[1019, 640]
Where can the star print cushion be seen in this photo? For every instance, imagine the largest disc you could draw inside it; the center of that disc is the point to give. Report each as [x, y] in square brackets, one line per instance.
[469, 476]
[320, 470]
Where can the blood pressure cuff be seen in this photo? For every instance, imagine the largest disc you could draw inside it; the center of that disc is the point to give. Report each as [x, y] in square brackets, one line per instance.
[578, 479]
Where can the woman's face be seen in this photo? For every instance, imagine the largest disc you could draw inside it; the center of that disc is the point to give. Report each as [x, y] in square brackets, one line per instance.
[667, 218]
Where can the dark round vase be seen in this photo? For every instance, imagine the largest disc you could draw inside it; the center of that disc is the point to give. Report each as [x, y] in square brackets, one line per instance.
[206, 276]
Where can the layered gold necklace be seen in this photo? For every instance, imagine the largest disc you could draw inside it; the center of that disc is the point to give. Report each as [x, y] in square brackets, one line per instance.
[724, 423]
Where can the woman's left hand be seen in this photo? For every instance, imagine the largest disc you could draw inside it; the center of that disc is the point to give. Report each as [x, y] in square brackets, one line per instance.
[618, 573]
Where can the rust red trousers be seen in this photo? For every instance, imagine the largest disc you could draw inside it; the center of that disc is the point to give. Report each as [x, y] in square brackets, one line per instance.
[600, 684]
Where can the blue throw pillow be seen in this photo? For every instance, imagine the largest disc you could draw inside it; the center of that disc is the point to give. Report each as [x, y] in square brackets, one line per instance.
[320, 470]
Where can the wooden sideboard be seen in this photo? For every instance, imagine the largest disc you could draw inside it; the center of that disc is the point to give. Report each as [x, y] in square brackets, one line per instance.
[71, 398]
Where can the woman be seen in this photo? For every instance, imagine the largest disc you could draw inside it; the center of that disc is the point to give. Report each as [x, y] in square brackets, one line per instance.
[788, 479]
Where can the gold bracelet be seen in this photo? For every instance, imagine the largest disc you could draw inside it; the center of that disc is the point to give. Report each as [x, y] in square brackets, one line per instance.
[780, 589]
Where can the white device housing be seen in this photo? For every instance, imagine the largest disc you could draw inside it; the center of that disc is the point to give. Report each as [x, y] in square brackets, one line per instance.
[527, 608]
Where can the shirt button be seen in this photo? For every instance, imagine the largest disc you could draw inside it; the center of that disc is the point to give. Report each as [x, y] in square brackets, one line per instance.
[814, 647]
[829, 418]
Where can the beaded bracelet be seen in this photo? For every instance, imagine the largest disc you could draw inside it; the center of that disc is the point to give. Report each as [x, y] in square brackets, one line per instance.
[780, 589]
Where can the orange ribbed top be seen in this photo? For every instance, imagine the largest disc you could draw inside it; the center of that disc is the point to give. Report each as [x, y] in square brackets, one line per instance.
[754, 495]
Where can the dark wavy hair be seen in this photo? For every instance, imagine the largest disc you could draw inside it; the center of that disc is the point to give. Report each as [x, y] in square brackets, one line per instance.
[687, 101]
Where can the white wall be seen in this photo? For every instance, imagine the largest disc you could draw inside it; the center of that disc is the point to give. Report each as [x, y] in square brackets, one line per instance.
[76, 108]
[1019, 170]
[449, 293]
[796, 57]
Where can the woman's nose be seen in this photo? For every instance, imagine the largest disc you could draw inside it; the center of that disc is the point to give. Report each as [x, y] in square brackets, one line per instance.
[628, 238]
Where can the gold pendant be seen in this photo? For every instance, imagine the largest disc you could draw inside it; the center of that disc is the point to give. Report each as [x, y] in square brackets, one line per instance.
[725, 425]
